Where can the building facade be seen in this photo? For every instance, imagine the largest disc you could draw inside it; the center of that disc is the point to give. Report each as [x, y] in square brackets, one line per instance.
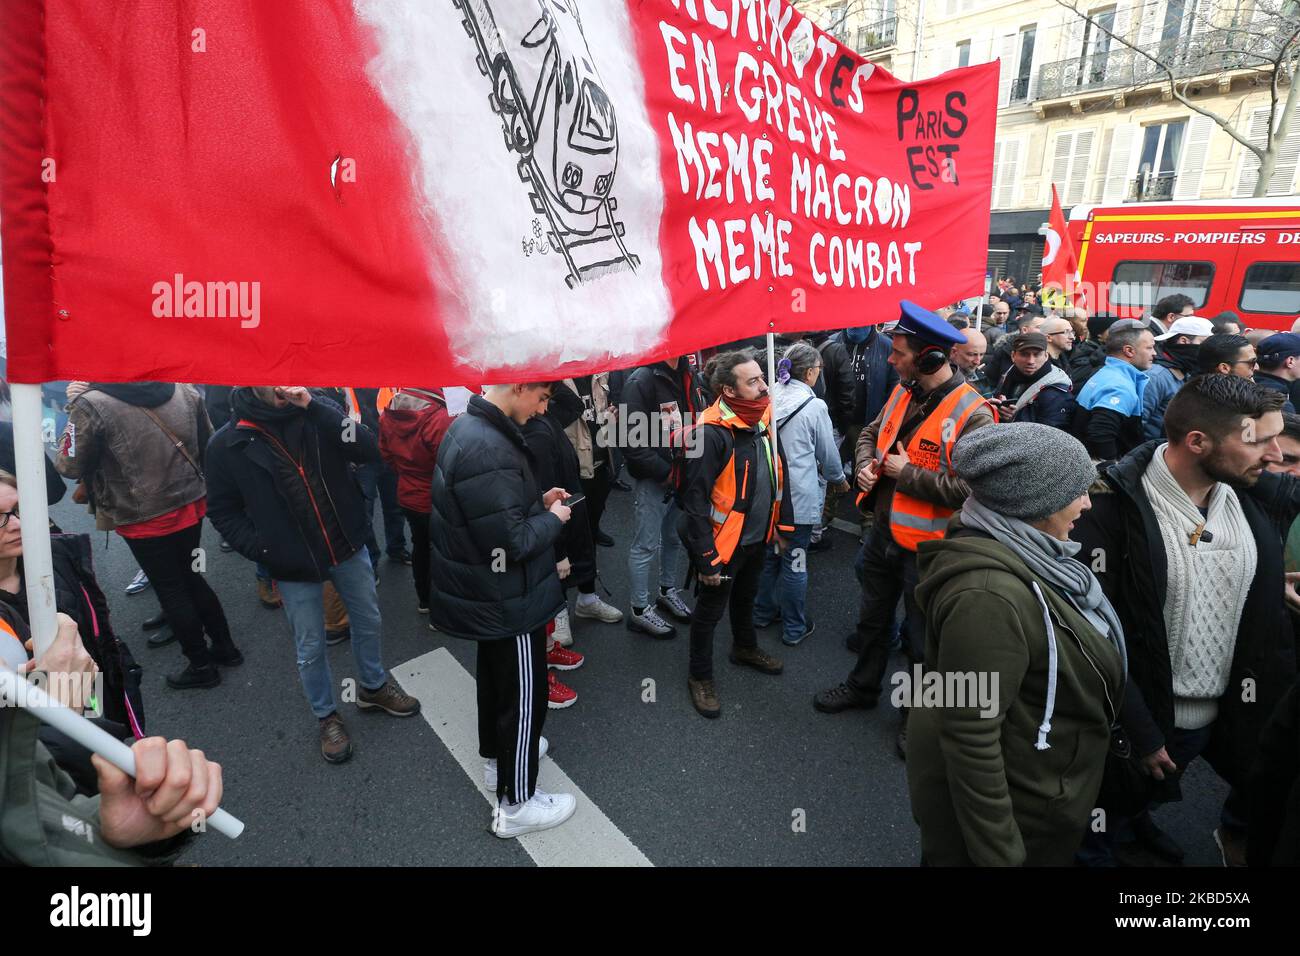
[1082, 111]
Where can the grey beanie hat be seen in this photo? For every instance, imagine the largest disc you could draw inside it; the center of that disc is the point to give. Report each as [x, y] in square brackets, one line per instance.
[1022, 469]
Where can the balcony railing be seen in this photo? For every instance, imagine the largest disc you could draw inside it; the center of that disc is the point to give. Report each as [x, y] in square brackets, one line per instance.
[878, 36]
[1126, 68]
[1020, 89]
[1152, 187]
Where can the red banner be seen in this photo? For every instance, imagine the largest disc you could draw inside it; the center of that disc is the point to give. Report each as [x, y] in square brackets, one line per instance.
[429, 193]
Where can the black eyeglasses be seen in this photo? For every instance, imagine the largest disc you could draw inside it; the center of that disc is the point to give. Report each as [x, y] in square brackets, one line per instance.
[5, 515]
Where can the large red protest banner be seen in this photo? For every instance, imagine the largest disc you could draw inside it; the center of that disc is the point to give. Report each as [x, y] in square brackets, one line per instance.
[442, 191]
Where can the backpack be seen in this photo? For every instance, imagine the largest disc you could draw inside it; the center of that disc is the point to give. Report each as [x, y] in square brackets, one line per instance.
[78, 594]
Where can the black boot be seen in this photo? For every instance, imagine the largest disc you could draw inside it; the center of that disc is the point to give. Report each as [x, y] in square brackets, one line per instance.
[155, 622]
[160, 639]
[227, 655]
[194, 677]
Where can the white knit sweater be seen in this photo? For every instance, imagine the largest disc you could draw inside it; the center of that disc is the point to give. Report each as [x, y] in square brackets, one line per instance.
[1206, 591]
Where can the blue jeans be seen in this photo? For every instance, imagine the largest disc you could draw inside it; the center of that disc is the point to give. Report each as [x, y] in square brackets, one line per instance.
[655, 532]
[355, 581]
[380, 481]
[784, 584]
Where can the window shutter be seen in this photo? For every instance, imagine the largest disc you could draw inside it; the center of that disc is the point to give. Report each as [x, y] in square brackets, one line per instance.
[1199, 130]
[1153, 22]
[1061, 155]
[1080, 163]
[1123, 23]
[1288, 157]
[1007, 53]
[1119, 163]
[1009, 174]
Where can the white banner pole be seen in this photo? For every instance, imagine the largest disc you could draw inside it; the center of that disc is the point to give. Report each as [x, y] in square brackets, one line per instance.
[38, 566]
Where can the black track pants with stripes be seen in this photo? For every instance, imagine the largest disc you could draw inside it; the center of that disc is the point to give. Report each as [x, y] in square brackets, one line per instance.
[512, 695]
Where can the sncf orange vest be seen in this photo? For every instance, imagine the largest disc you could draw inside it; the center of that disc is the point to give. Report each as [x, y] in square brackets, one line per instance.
[727, 522]
[911, 520]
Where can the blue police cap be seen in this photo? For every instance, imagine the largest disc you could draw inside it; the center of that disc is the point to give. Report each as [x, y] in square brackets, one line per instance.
[926, 326]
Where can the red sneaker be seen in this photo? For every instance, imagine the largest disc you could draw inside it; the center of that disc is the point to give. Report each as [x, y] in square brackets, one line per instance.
[559, 696]
[562, 658]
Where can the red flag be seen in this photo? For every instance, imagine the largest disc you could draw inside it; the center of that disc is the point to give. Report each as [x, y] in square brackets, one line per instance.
[417, 192]
[1060, 261]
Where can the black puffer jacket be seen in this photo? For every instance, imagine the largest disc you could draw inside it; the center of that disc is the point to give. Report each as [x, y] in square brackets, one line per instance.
[492, 543]
[1121, 539]
[648, 393]
[263, 520]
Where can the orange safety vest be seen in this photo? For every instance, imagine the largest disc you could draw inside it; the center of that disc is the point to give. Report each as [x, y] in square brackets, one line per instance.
[726, 521]
[912, 520]
[384, 397]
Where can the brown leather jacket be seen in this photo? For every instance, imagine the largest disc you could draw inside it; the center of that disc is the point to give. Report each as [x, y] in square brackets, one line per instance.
[932, 486]
[130, 467]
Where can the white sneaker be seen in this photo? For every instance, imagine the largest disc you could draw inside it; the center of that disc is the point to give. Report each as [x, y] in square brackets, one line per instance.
[490, 766]
[563, 633]
[598, 610]
[541, 812]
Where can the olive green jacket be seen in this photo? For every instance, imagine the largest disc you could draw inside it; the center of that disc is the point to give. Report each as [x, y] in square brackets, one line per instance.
[982, 791]
[44, 821]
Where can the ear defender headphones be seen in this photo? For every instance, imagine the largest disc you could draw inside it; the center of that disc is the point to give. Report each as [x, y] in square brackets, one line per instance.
[931, 359]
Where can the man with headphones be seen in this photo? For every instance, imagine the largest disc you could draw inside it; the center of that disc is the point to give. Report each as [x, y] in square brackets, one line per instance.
[904, 472]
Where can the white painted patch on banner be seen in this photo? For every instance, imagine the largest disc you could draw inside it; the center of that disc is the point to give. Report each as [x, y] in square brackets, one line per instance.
[531, 285]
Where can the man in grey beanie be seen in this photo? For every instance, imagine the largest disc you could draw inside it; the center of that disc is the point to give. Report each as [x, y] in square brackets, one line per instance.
[1011, 779]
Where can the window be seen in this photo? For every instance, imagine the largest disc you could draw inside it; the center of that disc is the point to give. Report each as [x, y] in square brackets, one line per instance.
[1020, 86]
[1096, 45]
[1272, 287]
[963, 53]
[1143, 284]
[1162, 145]
[836, 17]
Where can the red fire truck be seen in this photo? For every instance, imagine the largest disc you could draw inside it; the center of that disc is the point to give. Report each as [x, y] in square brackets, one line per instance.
[1241, 255]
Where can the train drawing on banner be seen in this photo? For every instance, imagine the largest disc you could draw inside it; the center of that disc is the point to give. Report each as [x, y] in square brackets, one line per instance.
[1241, 255]
[559, 120]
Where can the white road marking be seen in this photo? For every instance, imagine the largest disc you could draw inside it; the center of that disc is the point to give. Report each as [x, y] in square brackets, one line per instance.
[447, 702]
[848, 527]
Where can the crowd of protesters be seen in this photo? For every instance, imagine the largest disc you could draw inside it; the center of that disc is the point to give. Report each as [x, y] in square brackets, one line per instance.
[1093, 514]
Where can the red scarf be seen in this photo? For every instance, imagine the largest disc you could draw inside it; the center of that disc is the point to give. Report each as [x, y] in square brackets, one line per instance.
[750, 411]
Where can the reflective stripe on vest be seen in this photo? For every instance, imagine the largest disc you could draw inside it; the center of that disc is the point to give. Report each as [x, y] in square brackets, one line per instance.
[728, 523]
[912, 520]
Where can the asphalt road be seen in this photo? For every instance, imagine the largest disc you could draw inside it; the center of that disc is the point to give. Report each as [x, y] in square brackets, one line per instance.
[684, 790]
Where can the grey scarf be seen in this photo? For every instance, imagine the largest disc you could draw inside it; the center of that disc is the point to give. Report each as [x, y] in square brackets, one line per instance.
[1052, 560]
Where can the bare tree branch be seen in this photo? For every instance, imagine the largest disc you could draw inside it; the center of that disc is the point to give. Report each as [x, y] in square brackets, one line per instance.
[1164, 68]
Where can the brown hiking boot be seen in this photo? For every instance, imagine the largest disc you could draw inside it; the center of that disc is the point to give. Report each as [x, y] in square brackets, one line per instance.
[704, 695]
[269, 594]
[756, 658]
[335, 746]
[390, 698]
